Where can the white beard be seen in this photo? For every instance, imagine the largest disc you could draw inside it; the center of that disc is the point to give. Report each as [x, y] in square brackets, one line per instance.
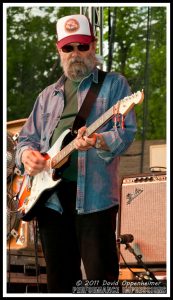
[78, 68]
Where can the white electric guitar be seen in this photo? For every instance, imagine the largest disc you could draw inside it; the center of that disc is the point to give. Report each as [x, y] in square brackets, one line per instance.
[32, 188]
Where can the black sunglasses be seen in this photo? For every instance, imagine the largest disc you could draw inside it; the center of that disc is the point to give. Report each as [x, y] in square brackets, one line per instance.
[80, 47]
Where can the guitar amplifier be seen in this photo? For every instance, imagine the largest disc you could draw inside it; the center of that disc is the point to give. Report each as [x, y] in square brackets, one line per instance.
[143, 214]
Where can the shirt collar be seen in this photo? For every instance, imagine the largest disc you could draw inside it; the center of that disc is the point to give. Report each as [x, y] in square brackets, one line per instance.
[60, 83]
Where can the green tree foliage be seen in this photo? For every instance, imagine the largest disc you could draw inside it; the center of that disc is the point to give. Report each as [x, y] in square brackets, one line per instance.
[137, 40]
[31, 56]
[130, 58]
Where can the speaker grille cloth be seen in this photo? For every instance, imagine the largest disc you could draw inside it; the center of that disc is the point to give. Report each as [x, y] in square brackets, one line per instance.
[143, 214]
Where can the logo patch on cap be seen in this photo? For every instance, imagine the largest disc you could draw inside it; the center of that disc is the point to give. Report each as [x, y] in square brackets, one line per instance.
[71, 25]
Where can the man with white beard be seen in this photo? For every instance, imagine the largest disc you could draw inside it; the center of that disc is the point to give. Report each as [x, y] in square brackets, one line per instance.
[77, 219]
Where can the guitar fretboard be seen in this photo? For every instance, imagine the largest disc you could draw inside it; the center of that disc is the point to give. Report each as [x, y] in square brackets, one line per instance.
[67, 150]
[122, 106]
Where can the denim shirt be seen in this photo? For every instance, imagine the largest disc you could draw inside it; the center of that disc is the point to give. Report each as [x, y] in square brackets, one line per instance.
[98, 186]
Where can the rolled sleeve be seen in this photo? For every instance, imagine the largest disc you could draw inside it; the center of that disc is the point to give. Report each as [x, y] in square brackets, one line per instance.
[118, 140]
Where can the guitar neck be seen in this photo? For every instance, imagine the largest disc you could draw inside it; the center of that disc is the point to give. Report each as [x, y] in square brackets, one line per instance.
[122, 107]
[67, 150]
[100, 121]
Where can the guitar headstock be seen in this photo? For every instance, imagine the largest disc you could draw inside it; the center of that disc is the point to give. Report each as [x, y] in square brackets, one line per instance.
[128, 102]
[138, 97]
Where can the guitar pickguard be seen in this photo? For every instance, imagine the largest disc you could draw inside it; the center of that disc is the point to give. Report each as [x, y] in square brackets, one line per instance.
[58, 172]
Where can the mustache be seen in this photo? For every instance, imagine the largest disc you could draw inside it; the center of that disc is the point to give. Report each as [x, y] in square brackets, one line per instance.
[75, 60]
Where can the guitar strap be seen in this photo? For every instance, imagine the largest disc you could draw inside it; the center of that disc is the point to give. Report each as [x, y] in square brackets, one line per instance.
[85, 109]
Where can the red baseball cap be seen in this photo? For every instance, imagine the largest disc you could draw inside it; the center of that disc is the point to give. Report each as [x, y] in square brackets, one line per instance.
[74, 29]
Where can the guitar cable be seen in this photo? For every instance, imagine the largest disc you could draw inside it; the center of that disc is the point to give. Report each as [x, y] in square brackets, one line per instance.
[134, 273]
[9, 263]
[145, 277]
[35, 230]
[9, 219]
[10, 227]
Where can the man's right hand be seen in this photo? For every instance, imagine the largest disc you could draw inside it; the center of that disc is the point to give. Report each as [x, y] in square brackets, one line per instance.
[34, 162]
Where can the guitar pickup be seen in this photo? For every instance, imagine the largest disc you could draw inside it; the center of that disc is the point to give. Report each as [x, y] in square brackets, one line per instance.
[26, 201]
[29, 183]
